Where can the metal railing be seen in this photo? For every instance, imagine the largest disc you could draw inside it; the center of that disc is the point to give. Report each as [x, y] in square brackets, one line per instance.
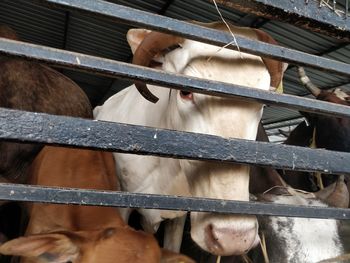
[20, 126]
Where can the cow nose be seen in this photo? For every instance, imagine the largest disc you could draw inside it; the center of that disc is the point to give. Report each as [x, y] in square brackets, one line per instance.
[227, 241]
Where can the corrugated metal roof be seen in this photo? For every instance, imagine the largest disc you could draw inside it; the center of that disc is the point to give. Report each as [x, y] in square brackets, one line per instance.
[200, 10]
[75, 31]
[34, 23]
[96, 37]
[153, 6]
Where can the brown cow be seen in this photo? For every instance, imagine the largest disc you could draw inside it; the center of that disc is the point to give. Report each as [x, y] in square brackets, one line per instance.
[61, 233]
[31, 86]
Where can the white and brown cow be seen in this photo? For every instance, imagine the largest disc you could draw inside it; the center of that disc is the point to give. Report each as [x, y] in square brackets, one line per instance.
[293, 239]
[186, 111]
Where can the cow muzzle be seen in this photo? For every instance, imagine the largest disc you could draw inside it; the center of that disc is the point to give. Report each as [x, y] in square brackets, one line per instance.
[224, 235]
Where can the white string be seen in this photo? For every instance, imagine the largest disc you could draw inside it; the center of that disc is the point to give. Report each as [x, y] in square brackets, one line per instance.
[229, 29]
[336, 11]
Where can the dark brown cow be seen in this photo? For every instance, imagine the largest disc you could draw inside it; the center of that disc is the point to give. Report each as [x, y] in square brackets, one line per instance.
[263, 178]
[326, 132]
[31, 86]
[331, 133]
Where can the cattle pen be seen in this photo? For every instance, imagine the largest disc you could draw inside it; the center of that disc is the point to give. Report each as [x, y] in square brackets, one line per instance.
[33, 127]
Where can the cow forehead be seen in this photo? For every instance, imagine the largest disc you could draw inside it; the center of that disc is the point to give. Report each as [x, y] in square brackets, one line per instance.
[117, 242]
[179, 58]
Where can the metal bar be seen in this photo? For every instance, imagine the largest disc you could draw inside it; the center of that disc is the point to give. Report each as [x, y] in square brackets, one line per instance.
[28, 193]
[323, 53]
[21, 126]
[309, 16]
[66, 28]
[112, 68]
[144, 19]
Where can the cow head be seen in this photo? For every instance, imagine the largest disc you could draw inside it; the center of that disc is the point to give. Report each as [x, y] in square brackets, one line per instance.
[331, 133]
[188, 111]
[226, 117]
[115, 244]
[335, 95]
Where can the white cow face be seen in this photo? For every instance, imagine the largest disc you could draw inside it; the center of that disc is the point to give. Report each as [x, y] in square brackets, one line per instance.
[229, 118]
[180, 110]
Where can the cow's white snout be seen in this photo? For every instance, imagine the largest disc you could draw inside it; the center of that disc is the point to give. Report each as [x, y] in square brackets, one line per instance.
[225, 235]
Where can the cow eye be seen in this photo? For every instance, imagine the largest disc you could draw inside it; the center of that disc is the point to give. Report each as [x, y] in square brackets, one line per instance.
[186, 95]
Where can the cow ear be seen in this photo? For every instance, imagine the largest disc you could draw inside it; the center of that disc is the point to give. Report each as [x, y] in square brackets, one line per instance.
[135, 37]
[3, 238]
[53, 248]
[336, 194]
[276, 68]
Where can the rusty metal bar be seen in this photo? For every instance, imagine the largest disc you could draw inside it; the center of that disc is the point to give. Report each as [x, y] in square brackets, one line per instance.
[129, 15]
[306, 14]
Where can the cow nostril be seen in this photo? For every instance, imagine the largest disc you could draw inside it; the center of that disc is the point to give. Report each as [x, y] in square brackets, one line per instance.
[187, 95]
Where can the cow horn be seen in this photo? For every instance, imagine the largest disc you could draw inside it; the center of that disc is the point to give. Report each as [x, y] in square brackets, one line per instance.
[307, 82]
[151, 45]
[336, 194]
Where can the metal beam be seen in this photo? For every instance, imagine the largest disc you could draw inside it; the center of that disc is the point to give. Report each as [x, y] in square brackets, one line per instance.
[21, 126]
[29, 193]
[297, 12]
[333, 49]
[129, 15]
[113, 68]
[66, 28]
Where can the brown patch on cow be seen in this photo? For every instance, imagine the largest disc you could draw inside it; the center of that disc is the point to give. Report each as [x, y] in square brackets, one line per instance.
[274, 67]
[8, 32]
[30, 86]
[331, 97]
